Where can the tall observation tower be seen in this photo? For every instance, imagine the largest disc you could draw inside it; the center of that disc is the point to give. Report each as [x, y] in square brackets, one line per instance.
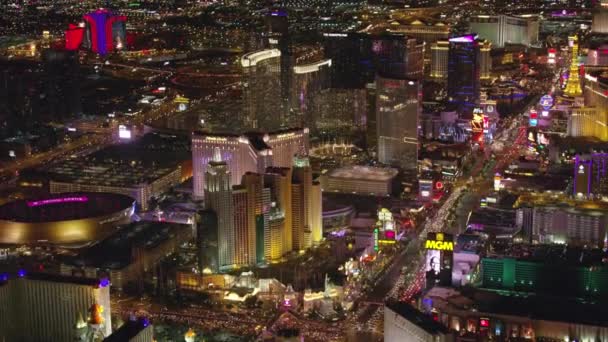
[573, 86]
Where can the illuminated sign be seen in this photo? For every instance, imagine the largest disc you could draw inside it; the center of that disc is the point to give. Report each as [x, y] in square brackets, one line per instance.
[463, 39]
[484, 322]
[426, 187]
[215, 139]
[544, 113]
[376, 239]
[75, 199]
[546, 102]
[439, 245]
[439, 241]
[551, 55]
[533, 114]
[533, 122]
[285, 135]
[181, 99]
[124, 132]
[497, 182]
[385, 215]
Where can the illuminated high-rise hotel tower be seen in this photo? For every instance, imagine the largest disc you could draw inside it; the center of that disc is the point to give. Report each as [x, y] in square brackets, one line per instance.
[306, 205]
[218, 197]
[397, 116]
[573, 85]
[264, 106]
[464, 73]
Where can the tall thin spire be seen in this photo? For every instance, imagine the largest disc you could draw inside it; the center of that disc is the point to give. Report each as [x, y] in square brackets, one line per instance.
[573, 85]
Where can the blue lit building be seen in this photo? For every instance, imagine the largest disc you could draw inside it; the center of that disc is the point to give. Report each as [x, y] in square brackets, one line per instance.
[464, 74]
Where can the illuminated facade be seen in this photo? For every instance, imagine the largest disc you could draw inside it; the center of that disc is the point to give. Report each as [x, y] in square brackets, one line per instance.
[534, 318]
[243, 243]
[568, 226]
[139, 180]
[265, 108]
[588, 122]
[301, 204]
[521, 275]
[404, 323]
[273, 241]
[364, 180]
[439, 59]
[306, 202]
[340, 110]
[236, 151]
[62, 220]
[74, 36]
[591, 175]
[279, 181]
[397, 115]
[464, 73]
[357, 58]
[286, 144]
[308, 82]
[592, 120]
[600, 18]
[37, 306]
[267, 215]
[126, 256]
[423, 32]
[573, 85]
[258, 208]
[502, 29]
[485, 60]
[245, 153]
[597, 56]
[218, 197]
[105, 32]
[398, 56]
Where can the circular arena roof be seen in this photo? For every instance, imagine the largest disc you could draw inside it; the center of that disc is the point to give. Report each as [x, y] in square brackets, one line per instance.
[67, 218]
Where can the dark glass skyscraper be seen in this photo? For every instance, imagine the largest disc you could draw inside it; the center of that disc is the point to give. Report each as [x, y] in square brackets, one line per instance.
[356, 58]
[463, 74]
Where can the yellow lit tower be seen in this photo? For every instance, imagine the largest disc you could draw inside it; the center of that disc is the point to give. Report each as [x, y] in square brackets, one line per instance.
[573, 86]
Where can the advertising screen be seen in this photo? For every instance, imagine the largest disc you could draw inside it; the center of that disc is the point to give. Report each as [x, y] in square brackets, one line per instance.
[439, 256]
[124, 132]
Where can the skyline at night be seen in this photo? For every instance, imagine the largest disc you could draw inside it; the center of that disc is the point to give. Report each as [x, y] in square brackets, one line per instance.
[303, 170]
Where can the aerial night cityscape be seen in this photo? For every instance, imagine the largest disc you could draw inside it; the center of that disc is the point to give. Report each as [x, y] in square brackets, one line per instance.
[304, 170]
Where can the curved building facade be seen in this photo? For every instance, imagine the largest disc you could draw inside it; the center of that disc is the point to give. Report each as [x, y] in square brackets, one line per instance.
[64, 219]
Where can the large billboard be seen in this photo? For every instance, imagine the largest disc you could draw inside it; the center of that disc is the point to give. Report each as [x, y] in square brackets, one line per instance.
[439, 255]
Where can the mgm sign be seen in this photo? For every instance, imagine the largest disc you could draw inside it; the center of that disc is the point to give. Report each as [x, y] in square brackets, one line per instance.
[440, 242]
